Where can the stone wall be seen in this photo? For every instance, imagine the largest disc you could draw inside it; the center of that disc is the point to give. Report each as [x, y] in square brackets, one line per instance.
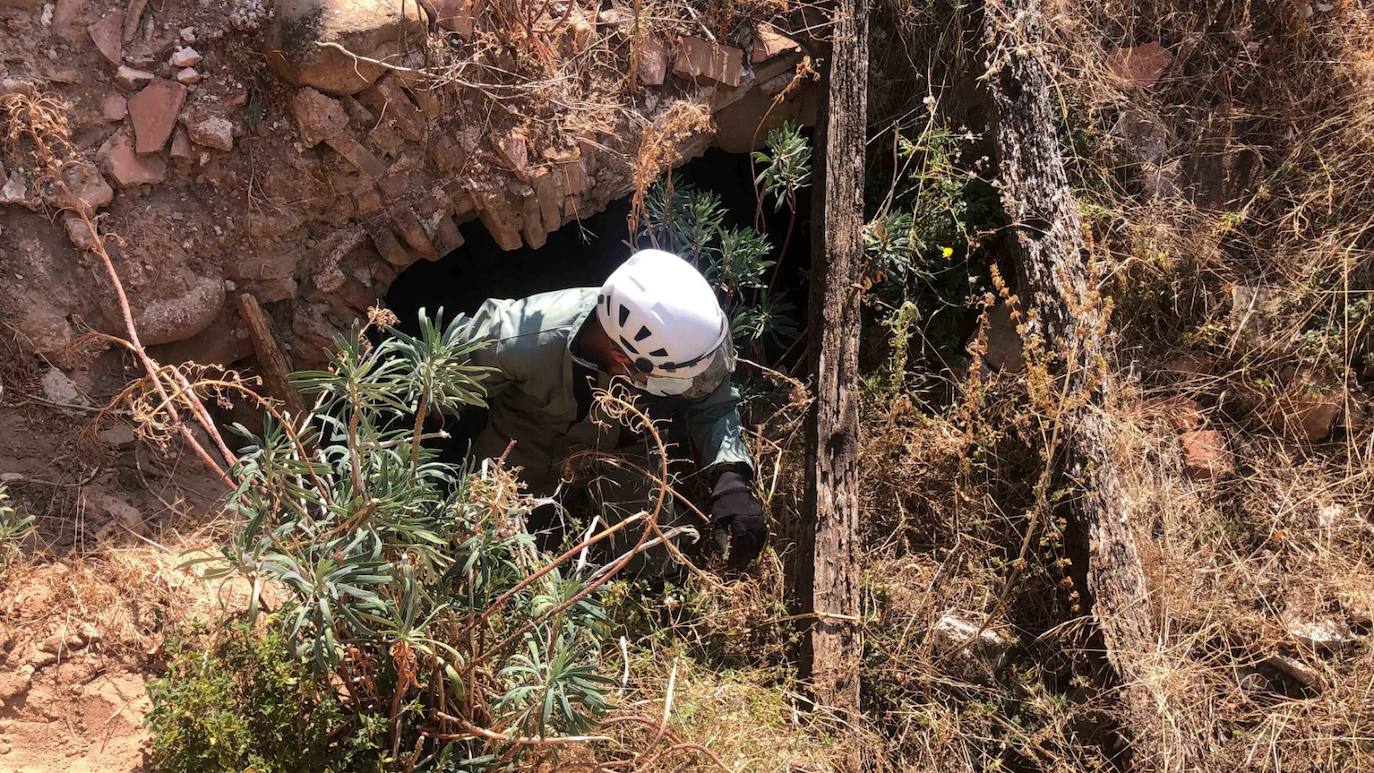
[309, 151]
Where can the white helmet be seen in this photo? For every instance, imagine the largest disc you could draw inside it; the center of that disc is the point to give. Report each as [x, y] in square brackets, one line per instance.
[663, 314]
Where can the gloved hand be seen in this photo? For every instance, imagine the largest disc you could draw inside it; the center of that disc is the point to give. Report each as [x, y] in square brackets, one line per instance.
[737, 516]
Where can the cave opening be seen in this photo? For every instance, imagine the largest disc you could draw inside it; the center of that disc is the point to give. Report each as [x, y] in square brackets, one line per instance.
[584, 252]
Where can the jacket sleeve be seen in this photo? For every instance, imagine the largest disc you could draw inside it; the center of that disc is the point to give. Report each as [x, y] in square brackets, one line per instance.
[715, 429]
[488, 326]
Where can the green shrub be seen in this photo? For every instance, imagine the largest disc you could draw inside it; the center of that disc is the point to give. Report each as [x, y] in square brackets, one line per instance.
[407, 582]
[243, 702]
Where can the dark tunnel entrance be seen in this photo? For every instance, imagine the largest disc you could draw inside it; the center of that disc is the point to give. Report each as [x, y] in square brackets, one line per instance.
[583, 253]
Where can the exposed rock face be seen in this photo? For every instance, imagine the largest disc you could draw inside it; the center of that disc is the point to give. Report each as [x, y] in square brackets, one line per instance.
[376, 29]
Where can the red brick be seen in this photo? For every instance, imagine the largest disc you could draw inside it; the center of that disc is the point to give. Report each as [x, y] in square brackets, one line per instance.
[413, 232]
[652, 66]
[700, 59]
[499, 216]
[769, 42]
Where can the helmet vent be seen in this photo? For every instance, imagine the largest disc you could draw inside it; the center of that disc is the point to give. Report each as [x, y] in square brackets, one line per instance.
[629, 346]
[659, 353]
[643, 333]
[624, 314]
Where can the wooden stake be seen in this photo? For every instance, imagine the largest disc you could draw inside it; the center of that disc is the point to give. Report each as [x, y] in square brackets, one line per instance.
[834, 644]
[272, 364]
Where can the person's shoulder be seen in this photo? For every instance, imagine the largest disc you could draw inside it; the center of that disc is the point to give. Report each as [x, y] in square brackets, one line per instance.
[549, 312]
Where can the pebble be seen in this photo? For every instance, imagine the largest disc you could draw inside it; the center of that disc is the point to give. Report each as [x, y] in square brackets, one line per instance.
[188, 34]
[188, 76]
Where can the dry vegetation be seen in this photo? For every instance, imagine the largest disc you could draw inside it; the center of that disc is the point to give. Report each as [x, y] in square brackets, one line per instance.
[1231, 201]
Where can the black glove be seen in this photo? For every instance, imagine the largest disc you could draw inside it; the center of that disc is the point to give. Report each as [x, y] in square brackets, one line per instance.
[736, 512]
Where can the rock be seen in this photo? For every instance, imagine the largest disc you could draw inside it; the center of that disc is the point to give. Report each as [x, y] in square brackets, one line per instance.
[78, 232]
[1205, 455]
[377, 29]
[118, 436]
[1323, 633]
[181, 145]
[458, 16]
[114, 107]
[1309, 411]
[58, 388]
[118, 159]
[62, 642]
[173, 319]
[700, 59]
[131, 78]
[769, 42]
[105, 34]
[317, 116]
[977, 660]
[1296, 670]
[118, 514]
[187, 76]
[1139, 66]
[361, 158]
[154, 111]
[64, 20]
[82, 188]
[652, 66]
[13, 684]
[14, 191]
[185, 57]
[213, 132]
[187, 34]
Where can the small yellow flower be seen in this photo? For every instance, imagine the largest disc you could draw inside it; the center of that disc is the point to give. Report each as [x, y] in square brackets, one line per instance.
[947, 251]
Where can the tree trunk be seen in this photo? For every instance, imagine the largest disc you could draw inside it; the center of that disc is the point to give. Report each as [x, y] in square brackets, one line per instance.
[1067, 316]
[834, 646]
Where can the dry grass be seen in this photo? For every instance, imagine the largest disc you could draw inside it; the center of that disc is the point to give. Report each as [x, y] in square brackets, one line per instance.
[1266, 138]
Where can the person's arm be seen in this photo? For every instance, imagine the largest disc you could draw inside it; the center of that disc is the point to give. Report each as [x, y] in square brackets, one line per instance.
[736, 514]
[717, 434]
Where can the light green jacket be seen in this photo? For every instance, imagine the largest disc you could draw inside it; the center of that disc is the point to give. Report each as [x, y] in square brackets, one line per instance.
[531, 397]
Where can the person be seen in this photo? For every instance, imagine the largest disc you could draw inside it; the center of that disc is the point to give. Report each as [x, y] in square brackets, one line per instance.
[655, 323]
